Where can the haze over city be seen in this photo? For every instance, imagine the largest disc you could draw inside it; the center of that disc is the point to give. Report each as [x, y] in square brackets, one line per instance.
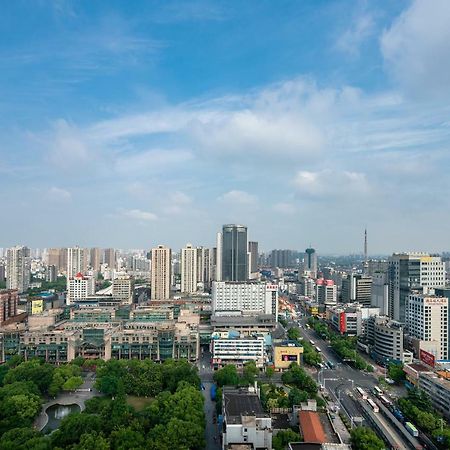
[129, 124]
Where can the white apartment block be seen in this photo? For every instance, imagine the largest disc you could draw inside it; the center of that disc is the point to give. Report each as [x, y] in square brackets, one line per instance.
[79, 288]
[18, 265]
[123, 289]
[238, 351]
[247, 297]
[76, 261]
[427, 324]
[161, 273]
[189, 274]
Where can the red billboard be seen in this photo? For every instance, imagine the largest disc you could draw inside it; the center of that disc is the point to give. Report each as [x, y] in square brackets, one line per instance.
[342, 323]
[427, 358]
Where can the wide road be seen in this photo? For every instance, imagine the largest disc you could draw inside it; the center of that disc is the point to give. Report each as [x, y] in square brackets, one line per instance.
[340, 381]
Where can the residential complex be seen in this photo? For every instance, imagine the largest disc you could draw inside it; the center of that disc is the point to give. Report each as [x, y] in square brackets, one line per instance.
[161, 273]
[18, 268]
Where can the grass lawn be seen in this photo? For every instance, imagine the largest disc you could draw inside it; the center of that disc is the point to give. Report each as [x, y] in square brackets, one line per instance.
[138, 403]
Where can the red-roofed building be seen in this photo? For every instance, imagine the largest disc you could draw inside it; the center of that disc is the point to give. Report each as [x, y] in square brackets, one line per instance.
[311, 427]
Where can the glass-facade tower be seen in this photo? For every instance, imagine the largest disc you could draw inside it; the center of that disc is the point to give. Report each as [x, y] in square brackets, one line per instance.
[234, 253]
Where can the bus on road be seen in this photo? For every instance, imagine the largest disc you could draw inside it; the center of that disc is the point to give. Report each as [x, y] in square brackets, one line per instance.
[318, 349]
[311, 342]
[412, 430]
[362, 393]
[377, 391]
[373, 405]
[386, 402]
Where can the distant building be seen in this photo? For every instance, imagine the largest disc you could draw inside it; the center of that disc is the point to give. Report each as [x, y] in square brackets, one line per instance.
[349, 319]
[18, 268]
[310, 262]
[244, 419]
[76, 261]
[161, 273]
[357, 288]
[189, 273]
[380, 292]
[282, 258]
[51, 273]
[123, 289]
[253, 259]
[110, 257]
[326, 292]
[95, 258]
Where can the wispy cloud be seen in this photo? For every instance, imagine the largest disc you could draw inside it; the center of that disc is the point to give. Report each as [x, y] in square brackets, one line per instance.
[237, 197]
[138, 214]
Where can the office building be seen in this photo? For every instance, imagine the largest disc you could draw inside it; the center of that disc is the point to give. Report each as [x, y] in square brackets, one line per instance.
[76, 261]
[427, 324]
[18, 268]
[244, 297]
[357, 288]
[282, 258]
[234, 266]
[123, 289]
[350, 318]
[79, 288]
[161, 272]
[253, 259]
[238, 351]
[189, 273]
[110, 257]
[245, 424]
[9, 299]
[408, 272]
[326, 292]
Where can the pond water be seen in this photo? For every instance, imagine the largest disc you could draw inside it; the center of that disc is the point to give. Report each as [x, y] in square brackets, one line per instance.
[56, 413]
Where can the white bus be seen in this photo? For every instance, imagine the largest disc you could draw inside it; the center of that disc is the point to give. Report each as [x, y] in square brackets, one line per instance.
[362, 393]
[386, 402]
[311, 342]
[373, 405]
[318, 349]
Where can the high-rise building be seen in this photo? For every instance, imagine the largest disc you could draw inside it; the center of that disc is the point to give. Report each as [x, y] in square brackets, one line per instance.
[95, 258]
[54, 258]
[76, 262]
[357, 288]
[427, 324]
[18, 268]
[310, 264]
[412, 271]
[234, 253]
[161, 273]
[123, 289]
[189, 273]
[245, 297]
[2, 273]
[79, 288]
[326, 292]
[380, 292]
[253, 259]
[282, 258]
[110, 257]
[217, 258]
[9, 299]
[51, 274]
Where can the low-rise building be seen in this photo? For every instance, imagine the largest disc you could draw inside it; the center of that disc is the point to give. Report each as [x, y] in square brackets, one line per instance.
[244, 419]
[286, 353]
[238, 351]
[438, 391]
[9, 299]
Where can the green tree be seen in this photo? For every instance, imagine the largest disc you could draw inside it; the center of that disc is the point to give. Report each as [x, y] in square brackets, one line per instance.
[73, 427]
[293, 334]
[39, 373]
[175, 371]
[283, 438]
[24, 439]
[250, 372]
[270, 371]
[25, 407]
[127, 439]
[395, 371]
[296, 396]
[72, 383]
[363, 438]
[227, 376]
[93, 440]
[56, 385]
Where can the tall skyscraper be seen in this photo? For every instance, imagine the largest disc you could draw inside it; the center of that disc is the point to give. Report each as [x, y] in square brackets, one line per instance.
[253, 260]
[357, 288]
[217, 258]
[76, 262]
[189, 273]
[161, 273]
[412, 271]
[18, 268]
[311, 261]
[234, 253]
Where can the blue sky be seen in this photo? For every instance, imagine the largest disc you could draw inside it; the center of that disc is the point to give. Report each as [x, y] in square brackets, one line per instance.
[129, 124]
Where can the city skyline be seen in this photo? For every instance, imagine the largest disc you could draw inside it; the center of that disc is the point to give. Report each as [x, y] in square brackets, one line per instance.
[128, 123]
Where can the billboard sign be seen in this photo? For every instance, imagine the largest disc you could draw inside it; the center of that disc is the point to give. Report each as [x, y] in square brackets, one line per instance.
[427, 358]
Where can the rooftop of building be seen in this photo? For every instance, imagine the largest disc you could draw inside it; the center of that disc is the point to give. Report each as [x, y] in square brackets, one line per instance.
[243, 320]
[240, 402]
[289, 344]
[311, 427]
[419, 367]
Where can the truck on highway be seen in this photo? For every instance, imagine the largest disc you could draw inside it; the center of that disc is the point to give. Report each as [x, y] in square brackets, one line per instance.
[398, 414]
[412, 430]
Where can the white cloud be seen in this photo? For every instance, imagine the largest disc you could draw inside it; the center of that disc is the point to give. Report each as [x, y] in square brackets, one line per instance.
[139, 215]
[180, 198]
[236, 197]
[416, 48]
[331, 183]
[59, 194]
[362, 27]
[284, 208]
